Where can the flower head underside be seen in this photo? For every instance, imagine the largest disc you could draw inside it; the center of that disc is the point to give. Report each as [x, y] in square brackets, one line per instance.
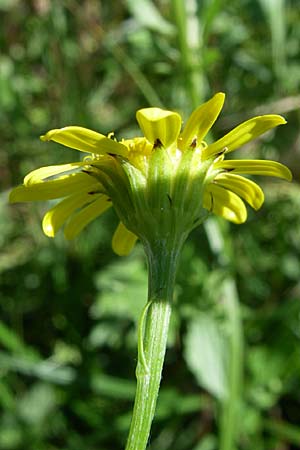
[162, 184]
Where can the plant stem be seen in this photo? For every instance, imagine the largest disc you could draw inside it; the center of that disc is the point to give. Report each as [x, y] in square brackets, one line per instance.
[221, 244]
[162, 264]
[229, 420]
[193, 78]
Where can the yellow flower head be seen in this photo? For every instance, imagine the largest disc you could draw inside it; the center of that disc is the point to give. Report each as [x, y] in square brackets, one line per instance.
[161, 185]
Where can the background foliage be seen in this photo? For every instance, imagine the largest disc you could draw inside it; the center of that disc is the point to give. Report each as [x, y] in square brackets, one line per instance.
[69, 310]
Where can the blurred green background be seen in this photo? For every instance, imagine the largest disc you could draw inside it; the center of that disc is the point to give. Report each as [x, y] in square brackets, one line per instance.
[69, 309]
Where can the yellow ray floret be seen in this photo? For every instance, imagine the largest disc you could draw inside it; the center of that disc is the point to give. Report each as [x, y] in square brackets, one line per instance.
[255, 167]
[224, 203]
[157, 124]
[244, 133]
[85, 140]
[55, 218]
[57, 188]
[123, 240]
[244, 188]
[201, 121]
[81, 219]
[42, 173]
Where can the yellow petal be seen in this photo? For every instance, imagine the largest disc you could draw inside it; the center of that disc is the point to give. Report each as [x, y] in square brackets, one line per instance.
[40, 174]
[224, 203]
[244, 133]
[57, 216]
[85, 140]
[60, 187]
[123, 240]
[158, 124]
[255, 167]
[244, 188]
[201, 121]
[86, 215]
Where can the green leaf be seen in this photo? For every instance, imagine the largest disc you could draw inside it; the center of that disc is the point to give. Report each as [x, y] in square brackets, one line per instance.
[123, 289]
[204, 354]
[43, 369]
[147, 15]
[209, 442]
[10, 340]
[118, 388]
[37, 404]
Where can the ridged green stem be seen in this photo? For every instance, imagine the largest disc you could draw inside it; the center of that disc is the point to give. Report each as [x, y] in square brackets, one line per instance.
[162, 264]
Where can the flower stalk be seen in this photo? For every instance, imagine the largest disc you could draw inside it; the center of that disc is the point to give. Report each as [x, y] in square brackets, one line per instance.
[162, 264]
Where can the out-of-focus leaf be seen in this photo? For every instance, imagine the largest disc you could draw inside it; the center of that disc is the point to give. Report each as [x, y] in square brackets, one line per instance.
[45, 370]
[266, 382]
[205, 354]
[122, 290]
[105, 334]
[209, 442]
[113, 387]
[146, 13]
[8, 4]
[36, 405]
[284, 430]
[172, 402]
[10, 340]
[10, 435]
[7, 399]
[66, 354]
